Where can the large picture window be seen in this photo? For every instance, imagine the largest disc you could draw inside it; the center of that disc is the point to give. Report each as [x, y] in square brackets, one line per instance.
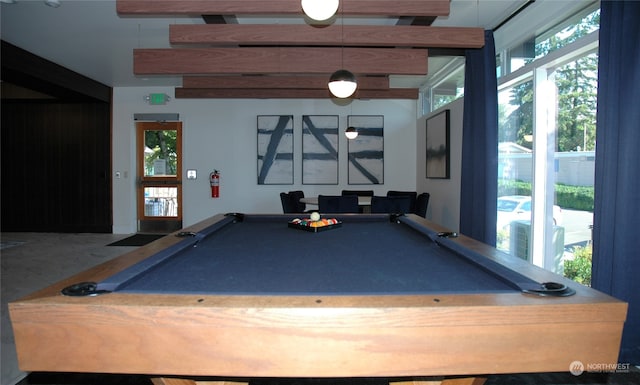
[547, 116]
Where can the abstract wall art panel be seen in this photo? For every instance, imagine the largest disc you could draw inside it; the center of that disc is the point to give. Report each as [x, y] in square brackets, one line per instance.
[320, 149]
[366, 151]
[438, 146]
[275, 149]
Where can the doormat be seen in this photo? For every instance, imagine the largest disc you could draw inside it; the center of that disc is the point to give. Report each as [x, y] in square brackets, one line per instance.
[137, 240]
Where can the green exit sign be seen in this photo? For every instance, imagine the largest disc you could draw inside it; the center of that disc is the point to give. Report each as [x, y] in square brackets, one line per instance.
[158, 99]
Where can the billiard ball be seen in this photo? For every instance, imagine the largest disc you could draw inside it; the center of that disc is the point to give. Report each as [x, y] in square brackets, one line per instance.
[315, 216]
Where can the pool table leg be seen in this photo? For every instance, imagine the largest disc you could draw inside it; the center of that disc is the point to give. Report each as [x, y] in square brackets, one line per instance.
[465, 381]
[186, 381]
[444, 381]
[171, 381]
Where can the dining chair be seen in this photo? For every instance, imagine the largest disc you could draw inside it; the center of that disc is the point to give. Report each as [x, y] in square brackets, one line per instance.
[422, 202]
[338, 204]
[362, 193]
[294, 196]
[287, 206]
[411, 194]
[392, 205]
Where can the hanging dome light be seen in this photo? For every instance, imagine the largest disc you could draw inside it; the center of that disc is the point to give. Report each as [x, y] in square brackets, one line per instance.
[342, 84]
[320, 9]
[351, 132]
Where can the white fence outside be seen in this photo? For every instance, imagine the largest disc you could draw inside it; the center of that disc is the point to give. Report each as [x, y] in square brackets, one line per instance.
[576, 168]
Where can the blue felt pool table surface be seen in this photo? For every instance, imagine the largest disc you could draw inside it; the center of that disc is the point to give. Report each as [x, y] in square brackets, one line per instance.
[261, 254]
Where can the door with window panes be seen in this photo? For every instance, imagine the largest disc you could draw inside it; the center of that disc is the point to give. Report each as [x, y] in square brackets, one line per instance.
[159, 176]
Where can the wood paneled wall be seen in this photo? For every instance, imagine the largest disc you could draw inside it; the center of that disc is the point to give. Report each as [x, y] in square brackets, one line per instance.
[56, 151]
[56, 167]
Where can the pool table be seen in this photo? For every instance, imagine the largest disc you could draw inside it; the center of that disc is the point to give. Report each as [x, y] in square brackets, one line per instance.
[253, 296]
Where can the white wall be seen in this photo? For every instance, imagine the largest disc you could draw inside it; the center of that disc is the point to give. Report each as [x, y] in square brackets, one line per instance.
[444, 203]
[221, 134]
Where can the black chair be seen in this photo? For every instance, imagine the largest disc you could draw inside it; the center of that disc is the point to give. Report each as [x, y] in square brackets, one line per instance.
[422, 202]
[361, 193]
[411, 194]
[287, 206]
[392, 205]
[298, 206]
[338, 204]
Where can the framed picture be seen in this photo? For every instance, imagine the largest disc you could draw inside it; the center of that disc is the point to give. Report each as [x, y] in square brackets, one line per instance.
[438, 145]
[366, 151]
[275, 149]
[320, 149]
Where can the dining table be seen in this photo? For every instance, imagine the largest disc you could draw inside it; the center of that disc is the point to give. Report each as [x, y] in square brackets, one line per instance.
[362, 201]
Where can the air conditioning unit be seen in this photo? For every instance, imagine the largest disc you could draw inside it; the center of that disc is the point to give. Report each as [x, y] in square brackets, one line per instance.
[520, 245]
[519, 239]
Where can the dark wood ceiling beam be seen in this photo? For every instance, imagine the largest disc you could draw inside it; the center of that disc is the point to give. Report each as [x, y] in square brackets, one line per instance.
[390, 8]
[279, 93]
[272, 82]
[337, 35]
[279, 60]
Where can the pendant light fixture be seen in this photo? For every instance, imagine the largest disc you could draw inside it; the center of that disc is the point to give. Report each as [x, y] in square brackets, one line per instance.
[342, 83]
[351, 132]
[320, 10]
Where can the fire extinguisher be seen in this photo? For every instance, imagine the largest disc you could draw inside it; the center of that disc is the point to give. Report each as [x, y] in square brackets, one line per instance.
[214, 180]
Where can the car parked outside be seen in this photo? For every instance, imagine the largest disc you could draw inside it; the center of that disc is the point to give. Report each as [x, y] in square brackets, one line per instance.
[518, 207]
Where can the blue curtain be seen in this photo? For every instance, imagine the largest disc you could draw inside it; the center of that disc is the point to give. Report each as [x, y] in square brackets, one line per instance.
[478, 199]
[616, 241]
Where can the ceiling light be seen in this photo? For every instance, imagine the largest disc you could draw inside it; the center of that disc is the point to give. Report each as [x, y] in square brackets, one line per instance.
[320, 9]
[342, 84]
[52, 3]
[351, 132]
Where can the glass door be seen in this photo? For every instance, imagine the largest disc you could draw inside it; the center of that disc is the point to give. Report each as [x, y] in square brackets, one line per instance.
[159, 192]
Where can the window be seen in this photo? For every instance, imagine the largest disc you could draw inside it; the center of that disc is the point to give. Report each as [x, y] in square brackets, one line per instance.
[547, 109]
[445, 86]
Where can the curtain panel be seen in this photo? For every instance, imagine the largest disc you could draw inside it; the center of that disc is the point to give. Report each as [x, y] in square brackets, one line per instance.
[616, 244]
[479, 190]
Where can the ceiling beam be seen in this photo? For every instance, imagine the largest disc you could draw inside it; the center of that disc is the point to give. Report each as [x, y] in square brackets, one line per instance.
[348, 35]
[389, 8]
[272, 82]
[279, 93]
[279, 60]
